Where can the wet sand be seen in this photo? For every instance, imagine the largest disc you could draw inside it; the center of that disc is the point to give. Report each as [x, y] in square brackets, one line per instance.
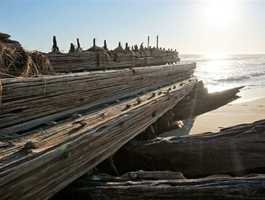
[230, 115]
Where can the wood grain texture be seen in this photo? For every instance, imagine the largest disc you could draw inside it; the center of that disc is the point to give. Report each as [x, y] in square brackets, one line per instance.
[29, 102]
[236, 150]
[39, 163]
[98, 59]
[167, 185]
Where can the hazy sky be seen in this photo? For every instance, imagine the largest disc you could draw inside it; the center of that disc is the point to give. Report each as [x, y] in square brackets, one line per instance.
[191, 26]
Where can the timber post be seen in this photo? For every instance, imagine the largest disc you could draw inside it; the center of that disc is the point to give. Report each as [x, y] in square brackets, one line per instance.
[72, 48]
[148, 42]
[105, 45]
[55, 48]
[157, 41]
[127, 47]
[78, 45]
[94, 42]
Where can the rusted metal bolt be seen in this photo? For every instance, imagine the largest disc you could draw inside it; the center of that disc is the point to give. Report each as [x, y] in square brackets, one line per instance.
[152, 96]
[126, 107]
[102, 115]
[133, 71]
[28, 146]
[139, 100]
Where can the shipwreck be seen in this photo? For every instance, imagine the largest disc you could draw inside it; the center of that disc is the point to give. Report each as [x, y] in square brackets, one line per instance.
[65, 115]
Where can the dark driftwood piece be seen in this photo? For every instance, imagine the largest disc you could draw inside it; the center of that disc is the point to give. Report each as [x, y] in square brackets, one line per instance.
[199, 101]
[29, 102]
[39, 163]
[168, 186]
[236, 150]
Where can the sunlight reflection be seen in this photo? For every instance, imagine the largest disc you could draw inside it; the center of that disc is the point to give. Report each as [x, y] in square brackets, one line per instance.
[216, 56]
[220, 14]
[217, 71]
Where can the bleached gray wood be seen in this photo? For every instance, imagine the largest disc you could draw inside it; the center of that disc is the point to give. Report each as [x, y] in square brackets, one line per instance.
[41, 162]
[26, 102]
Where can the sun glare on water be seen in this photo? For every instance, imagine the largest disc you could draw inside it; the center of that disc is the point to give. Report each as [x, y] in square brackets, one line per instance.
[220, 14]
[216, 56]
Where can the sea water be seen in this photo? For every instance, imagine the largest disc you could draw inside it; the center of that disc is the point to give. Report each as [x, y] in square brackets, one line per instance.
[220, 72]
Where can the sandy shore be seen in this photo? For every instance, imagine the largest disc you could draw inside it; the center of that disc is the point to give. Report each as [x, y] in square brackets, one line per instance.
[229, 115]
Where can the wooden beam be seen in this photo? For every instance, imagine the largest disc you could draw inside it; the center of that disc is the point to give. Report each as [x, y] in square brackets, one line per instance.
[39, 163]
[167, 185]
[100, 59]
[237, 150]
[30, 102]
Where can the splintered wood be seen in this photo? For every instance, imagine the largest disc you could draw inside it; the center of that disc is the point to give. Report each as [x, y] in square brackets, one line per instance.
[40, 162]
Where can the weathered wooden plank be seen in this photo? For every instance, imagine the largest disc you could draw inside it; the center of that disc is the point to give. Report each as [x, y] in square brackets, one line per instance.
[104, 59]
[39, 163]
[31, 100]
[166, 185]
[236, 150]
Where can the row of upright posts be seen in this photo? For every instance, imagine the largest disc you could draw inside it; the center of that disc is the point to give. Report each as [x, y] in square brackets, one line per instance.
[55, 48]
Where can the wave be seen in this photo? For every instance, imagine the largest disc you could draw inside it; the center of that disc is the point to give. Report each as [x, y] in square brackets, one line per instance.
[257, 74]
[241, 78]
[238, 78]
[202, 58]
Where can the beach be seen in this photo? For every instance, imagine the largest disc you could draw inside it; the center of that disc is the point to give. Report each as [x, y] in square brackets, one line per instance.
[234, 113]
[228, 71]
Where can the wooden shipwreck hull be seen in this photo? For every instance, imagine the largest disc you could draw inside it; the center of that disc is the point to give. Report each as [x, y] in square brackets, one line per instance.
[29, 102]
[224, 165]
[96, 58]
[167, 185]
[38, 163]
[16, 61]
[236, 150]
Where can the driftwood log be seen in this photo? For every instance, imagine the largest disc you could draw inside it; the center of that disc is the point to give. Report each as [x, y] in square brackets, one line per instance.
[39, 163]
[29, 102]
[167, 185]
[236, 150]
[199, 101]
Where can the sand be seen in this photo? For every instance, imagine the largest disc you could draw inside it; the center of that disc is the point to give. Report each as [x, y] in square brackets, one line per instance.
[230, 115]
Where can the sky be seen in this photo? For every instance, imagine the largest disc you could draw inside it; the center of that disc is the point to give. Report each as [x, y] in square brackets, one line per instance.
[190, 26]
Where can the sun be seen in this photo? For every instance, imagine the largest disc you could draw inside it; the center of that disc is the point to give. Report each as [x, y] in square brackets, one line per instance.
[220, 14]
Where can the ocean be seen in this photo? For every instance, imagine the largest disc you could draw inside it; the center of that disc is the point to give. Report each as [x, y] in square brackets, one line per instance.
[220, 72]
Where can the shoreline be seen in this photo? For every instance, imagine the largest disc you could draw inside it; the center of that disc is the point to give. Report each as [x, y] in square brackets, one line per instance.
[237, 112]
